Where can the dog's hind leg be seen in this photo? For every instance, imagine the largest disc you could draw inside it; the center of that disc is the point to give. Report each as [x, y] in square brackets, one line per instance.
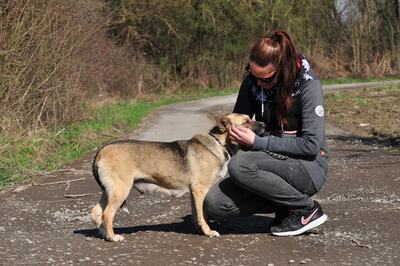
[115, 199]
[97, 211]
[198, 193]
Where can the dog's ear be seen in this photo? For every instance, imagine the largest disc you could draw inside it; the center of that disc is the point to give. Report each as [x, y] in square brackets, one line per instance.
[222, 121]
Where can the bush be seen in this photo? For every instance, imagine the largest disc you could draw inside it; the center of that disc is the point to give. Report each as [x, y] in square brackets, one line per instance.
[55, 57]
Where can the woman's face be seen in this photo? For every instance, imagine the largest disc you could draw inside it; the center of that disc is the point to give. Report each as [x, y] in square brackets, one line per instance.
[263, 75]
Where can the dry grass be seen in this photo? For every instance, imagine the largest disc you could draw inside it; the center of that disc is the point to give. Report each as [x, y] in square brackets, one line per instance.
[37, 56]
[366, 113]
[55, 56]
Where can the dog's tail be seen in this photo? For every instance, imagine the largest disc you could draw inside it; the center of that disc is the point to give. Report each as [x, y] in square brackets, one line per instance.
[95, 170]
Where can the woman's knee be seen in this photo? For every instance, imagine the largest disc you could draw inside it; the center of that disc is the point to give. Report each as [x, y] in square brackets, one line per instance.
[240, 168]
[216, 207]
[210, 206]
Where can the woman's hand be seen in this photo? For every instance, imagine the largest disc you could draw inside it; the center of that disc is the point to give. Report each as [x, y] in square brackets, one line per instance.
[242, 135]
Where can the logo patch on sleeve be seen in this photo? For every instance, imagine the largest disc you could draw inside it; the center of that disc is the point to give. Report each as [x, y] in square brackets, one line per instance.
[319, 110]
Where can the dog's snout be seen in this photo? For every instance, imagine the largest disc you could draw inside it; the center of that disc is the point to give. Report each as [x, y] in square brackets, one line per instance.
[258, 127]
[259, 124]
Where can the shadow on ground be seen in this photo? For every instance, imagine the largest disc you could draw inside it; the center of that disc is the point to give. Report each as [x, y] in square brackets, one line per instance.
[255, 224]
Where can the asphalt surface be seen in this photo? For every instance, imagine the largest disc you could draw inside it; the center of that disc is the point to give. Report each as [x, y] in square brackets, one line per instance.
[47, 222]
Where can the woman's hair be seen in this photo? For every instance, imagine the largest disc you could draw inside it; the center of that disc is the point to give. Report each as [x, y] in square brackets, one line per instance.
[279, 50]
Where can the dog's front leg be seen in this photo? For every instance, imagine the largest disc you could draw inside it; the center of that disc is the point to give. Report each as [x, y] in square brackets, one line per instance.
[198, 194]
[194, 214]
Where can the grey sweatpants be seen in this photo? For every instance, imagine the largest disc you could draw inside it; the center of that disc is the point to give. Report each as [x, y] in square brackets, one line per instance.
[259, 183]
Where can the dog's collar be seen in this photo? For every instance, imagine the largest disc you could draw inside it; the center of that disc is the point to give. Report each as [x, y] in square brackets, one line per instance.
[226, 152]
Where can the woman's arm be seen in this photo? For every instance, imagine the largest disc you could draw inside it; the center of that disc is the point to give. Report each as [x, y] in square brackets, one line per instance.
[243, 103]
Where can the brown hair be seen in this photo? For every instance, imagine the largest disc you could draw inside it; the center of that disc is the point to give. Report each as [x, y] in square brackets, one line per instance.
[279, 50]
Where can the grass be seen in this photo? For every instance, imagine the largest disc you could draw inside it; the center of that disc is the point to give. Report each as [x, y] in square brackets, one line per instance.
[25, 155]
[354, 100]
[367, 112]
[345, 80]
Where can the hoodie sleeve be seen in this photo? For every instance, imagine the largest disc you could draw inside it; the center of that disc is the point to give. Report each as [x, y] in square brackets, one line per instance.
[308, 143]
[243, 103]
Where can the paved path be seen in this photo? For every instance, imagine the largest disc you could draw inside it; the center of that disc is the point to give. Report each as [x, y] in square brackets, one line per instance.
[48, 223]
[375, 84]
[182, 121]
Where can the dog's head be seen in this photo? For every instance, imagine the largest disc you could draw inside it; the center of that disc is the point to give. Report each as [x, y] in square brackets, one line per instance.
[225, 122]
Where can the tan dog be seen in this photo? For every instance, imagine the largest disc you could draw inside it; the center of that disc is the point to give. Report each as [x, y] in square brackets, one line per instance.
[172, 167]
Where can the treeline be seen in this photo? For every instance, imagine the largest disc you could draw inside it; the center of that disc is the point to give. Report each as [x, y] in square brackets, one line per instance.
[56, 56]
[206, 42]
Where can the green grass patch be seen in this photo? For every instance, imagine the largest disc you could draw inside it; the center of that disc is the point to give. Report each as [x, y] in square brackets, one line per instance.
[372, 112]
[23, 156]
[349, 99]
[346, 80]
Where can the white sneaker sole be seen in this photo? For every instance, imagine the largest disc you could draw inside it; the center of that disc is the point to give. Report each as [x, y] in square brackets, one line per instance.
[307, 227]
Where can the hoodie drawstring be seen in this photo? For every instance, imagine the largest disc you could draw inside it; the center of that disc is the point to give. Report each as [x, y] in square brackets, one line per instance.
[262, 102]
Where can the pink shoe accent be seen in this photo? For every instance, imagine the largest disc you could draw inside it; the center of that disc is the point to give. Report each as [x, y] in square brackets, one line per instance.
[307, 220]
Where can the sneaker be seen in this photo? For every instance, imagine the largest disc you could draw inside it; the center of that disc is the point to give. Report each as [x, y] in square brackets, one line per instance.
[280, 215]
[299, 221]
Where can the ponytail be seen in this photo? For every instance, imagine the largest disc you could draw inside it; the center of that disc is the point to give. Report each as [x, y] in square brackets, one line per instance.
[287, 72]
[278, 49]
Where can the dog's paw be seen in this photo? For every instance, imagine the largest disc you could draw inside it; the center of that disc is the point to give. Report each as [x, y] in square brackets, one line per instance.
[213, 234]
[116, 238]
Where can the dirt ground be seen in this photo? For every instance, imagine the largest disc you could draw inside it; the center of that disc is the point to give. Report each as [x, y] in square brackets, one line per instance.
[47, 222]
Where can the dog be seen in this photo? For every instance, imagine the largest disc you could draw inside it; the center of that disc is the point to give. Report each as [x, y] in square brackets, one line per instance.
[173, 167]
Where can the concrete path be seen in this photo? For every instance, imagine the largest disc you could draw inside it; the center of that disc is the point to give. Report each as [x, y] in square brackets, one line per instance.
[182, 121]
[350, 86]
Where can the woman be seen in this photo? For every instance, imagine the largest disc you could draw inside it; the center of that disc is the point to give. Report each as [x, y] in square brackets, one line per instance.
[288, 165]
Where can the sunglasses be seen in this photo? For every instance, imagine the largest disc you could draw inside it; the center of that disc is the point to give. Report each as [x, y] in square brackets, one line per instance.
[266, 80]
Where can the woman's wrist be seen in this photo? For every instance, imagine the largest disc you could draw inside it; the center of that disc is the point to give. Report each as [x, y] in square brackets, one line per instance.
[260, 143]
